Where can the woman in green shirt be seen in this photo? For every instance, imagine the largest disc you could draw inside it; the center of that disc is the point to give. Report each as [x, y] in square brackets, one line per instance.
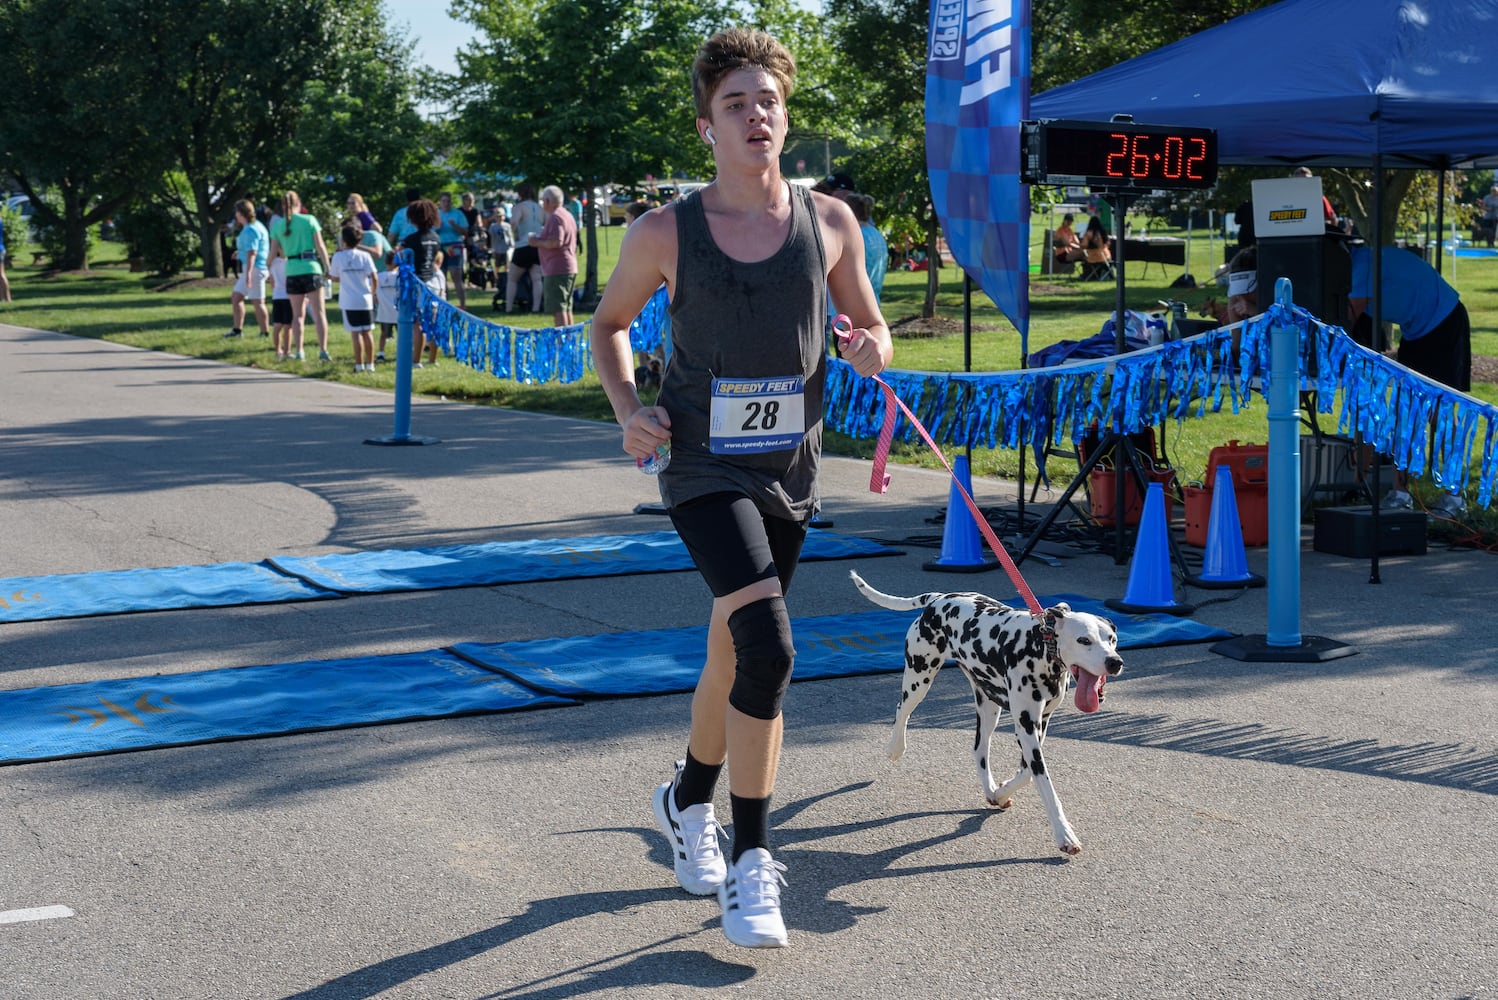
[298, 237]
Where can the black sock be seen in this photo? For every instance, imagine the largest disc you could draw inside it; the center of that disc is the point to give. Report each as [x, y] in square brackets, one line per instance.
[696, 784]
[751, 824]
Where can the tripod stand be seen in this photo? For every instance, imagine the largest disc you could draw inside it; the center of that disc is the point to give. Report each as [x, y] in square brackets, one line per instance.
[1118, 445]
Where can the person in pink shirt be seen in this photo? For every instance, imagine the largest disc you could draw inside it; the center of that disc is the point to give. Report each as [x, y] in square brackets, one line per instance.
[557, 245]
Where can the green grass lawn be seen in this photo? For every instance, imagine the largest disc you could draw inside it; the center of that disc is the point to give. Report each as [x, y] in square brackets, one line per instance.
[187, 316]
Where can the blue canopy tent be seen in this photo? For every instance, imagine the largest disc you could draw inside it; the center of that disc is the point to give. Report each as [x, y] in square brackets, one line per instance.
[1333, 82]
[1362, 83]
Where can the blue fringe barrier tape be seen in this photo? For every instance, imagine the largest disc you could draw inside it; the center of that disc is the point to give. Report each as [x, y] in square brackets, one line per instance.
[1396, 410]
[532, 357]
[1423, 425]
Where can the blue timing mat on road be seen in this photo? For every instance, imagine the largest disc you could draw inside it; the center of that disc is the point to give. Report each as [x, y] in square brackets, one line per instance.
[75, 720]
[528, 561]
[113, 592]
[308, 578]
[667, 661]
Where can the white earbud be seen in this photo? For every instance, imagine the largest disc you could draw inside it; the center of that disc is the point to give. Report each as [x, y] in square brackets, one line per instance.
[712, 140]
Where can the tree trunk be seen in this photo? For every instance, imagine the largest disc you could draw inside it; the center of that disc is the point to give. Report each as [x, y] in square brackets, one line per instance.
[213, 258]
[590, 220]
[208, 230]
[1357, 196]
[75, 243]
[74, 231]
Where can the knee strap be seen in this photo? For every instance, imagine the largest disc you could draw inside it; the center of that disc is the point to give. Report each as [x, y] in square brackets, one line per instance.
[764, 655]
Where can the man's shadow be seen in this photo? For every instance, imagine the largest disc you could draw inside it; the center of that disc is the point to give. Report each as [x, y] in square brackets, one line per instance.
[818, 875]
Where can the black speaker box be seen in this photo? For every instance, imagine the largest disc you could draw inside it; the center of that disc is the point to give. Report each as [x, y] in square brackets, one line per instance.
[1319, 269]
[1348, 531]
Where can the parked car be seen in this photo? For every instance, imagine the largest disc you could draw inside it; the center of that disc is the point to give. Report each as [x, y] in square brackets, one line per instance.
[21, 203]
[618, 200]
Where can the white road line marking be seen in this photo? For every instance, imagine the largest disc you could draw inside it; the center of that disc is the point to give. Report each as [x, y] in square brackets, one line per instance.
[34, 913]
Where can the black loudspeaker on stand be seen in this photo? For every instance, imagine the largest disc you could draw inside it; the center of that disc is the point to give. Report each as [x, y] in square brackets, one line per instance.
[1319, 269]
[1126, 464]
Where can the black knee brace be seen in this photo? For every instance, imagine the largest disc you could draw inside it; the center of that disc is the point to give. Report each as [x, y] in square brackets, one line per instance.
[763, 654]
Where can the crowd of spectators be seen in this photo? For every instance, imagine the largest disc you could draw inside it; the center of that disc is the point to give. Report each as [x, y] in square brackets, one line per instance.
[526, 249]
[529, 247]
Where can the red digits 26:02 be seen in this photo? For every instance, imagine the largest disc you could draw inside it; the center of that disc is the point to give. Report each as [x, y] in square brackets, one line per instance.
[1131, 158]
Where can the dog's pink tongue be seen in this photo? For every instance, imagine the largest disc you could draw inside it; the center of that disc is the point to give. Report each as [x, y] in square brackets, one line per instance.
[1089, 691]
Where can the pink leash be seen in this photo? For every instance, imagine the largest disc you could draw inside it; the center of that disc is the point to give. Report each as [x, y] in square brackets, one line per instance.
[842, 327]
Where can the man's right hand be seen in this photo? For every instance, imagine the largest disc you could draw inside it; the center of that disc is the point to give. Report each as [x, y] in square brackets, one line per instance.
[648, 428]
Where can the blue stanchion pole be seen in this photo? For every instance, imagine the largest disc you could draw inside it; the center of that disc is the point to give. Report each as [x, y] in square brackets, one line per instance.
[1283, 642]
[405, 334]
[1284, 475]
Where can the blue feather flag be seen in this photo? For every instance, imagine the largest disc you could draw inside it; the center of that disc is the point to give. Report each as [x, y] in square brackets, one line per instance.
[977, 93]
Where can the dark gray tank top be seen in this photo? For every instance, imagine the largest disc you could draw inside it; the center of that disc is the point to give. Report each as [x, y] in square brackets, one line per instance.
[731, 319]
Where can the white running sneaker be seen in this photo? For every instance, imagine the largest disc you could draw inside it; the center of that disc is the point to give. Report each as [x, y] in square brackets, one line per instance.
[751, 901]
[693, 835]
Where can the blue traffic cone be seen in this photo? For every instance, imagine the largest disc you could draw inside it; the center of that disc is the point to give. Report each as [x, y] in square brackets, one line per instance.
[961, 549]
[1149, 586]
[1224, 564]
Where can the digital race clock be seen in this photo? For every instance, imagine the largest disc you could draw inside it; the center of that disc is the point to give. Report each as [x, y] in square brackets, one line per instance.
[1117, 154]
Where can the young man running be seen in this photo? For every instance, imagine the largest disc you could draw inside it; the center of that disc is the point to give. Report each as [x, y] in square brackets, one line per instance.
[748, 261]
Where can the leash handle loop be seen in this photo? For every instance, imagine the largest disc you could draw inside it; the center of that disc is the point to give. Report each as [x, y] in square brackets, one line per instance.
[842, 329]
[879, 480]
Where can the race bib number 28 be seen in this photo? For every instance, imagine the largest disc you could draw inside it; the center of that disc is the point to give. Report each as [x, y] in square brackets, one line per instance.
[757, 414]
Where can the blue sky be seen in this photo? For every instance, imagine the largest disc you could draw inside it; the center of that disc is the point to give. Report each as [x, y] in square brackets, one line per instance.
[438, 36]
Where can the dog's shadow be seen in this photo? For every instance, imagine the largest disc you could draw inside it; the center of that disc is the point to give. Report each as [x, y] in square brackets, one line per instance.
[826, 871]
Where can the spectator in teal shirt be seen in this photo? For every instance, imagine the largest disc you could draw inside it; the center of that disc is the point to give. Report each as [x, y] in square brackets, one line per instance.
[452, 227]
[374, 243]
[875, 247]
[252, 247]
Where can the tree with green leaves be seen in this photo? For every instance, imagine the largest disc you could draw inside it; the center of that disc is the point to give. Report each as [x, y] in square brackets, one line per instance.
[578, 93]
[363, 130]
[884, 113]
[233, 87]
[71, 134]
[1073, 38]
[585, 93]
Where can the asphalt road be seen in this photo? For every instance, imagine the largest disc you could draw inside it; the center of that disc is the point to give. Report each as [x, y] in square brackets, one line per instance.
[1250, 830]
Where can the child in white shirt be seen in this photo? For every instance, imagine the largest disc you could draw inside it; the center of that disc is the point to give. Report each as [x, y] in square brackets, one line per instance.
[354, 271]
[387, 305]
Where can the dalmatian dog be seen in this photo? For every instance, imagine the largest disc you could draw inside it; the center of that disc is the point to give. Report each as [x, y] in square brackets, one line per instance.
[1014, 662]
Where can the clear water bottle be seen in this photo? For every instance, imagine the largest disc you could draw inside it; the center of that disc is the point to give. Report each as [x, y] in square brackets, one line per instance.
[655, 463]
